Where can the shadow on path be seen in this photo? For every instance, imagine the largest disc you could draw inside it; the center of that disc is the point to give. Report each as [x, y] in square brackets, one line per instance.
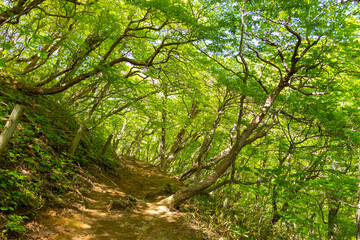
[139, 221]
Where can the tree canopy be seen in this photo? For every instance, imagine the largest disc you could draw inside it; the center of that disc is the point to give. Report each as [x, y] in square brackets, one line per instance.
[251, 103]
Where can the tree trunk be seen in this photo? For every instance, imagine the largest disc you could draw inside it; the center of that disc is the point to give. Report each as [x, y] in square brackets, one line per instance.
[82, 127]
[122, 108]
[226, 204]
[119, 136]
[162, 148]
[81, 93]
[332, 213]
[115, 146]
[135, 144]
[275, 216]
[22, 8]
[200, 152]
[10, 127]
[107, 144]
[178, 144]
[129, 149]
[135, 152]
[212, 161]
[179, 197]
[241, 140]
[162, 145]
[203, 149]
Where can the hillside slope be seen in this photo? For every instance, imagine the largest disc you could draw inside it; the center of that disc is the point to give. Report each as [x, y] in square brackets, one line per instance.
[36, 171]
[48, 194]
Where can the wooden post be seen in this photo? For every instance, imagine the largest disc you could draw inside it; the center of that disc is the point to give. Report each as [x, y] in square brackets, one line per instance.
[10, 127]
[77, 138]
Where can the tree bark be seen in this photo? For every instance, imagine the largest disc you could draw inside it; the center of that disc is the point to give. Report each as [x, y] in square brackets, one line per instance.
[134, 147]
[107, 144]
[10, 127]
[162, 145]
[82, 127]
[226, 204]
[332, 213]
[200, 152]
[208, 140]
[136, 139]
[197, 156]
[23, 7]
[212, 161]
[122, 131]
[135, 152]
[81, 93]
[179, 197]
[122, 108]
[177, 145]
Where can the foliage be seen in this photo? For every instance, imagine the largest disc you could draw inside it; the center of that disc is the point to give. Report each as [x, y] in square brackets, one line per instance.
[15, 224]
[178, 84]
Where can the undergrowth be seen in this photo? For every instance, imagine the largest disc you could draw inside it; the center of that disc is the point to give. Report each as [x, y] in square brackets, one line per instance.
[36, 171]
[208, 213]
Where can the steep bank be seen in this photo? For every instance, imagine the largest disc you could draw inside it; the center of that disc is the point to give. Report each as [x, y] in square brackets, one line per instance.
[36, 172]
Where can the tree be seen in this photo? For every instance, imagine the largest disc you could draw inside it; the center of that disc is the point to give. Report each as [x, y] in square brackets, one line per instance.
[282, 51]
[253, 101]
[138, 38]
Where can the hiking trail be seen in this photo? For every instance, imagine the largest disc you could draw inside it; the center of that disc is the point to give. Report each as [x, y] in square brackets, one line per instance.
[119, 205]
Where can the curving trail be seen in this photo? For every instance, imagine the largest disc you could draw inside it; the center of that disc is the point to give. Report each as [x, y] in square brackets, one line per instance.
[141, 219]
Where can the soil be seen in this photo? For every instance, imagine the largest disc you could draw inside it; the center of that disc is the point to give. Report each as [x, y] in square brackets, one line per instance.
[119, 205]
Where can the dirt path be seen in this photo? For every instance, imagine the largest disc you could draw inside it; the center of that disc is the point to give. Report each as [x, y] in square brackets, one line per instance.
[121, 207]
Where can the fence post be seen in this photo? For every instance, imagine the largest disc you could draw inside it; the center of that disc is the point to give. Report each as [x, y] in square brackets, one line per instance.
[10, 127]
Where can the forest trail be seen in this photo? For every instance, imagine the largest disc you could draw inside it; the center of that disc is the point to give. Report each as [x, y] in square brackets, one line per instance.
[136, 187]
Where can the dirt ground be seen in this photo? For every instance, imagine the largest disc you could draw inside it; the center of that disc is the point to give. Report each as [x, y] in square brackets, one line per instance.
[120, 205]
